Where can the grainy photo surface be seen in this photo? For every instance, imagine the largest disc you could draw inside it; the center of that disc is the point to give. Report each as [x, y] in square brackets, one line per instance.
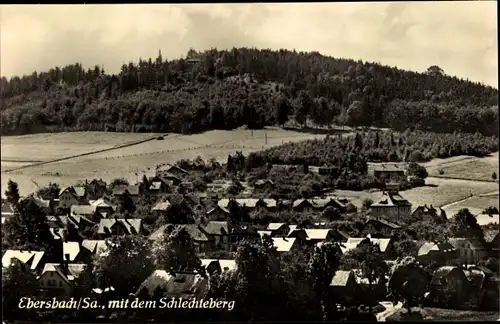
[250, 162]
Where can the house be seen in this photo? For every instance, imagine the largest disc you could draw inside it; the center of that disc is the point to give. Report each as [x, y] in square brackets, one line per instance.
[388, 171]
[278, 229]
[213, 266]
[88, 211]
[339, 236]
[218, 213]
[133, 192]
[391, 205]
[440, 253]
[34, 259]
[46, 205]
[380, 226]
[449, 287]
[203, 242]
[93, 246]
[103, 206]
[320, 204]
[243, 231]
[180, 285]
[158, 187]
[221, 232]
[95, 189]
[284, 244]
[61, 222]
[72, 196]
[385, 244]
[345, 286]
[166, 170]
[303, 206]
[250, 204]
[119, 226]
[471, 250]
[264, 185]
[161, 208]
[313, 235]
[74, 252]
[485, 219]
[60, 279]
[426, 213]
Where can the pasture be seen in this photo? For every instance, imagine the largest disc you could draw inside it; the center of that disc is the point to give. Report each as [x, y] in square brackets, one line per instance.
[465, 167]
[126, 162]
[476, 204]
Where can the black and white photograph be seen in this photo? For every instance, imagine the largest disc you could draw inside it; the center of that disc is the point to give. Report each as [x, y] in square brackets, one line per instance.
[250, 162]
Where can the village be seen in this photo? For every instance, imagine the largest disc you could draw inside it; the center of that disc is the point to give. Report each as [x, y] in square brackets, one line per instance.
[462, 271]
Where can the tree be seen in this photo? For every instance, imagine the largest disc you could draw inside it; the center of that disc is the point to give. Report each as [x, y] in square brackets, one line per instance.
[126, 204]
[407, 283]
[350, 208]
[28, 228]
[464, 224]
[145, 183]
[367, 203]
[119, 182]
[331, 213]
[176, 252]
[124, 263]
[368, 258]
[12, 193]
[303, 105]
[282, 110]
[494, 175]
[50, 192]
[415, 169]
[17, 281]
[322, 267]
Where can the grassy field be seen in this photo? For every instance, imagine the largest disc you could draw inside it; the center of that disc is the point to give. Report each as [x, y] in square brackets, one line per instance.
[465, 167]
[45, 147]
[475, 204]
[125, 162]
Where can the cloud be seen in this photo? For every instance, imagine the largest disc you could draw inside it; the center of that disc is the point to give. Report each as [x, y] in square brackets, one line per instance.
[460, 37]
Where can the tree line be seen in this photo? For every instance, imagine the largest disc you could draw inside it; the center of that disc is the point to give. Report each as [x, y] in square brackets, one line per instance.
[226, 89]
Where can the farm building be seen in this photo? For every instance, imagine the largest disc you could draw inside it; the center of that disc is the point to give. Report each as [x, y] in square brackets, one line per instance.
[391, 205]
[390, 171]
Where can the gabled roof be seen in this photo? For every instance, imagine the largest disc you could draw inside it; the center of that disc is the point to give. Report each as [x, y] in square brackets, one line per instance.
[101, 202]
[71, 248]
[382, 222]
[225, 210]
[391, 200]
[275, 226]
[183, 285]
[40, 202]
[341, 278]
[490, 235]
[76, 191]
[32, 258]
[283, 244]
[262, 182]
[298, 202]
[87, 210]
[387, 166]
[353, 242]
[133, 225]
[485, 219]
[429, 247]
[262, 233]
[217, 228]
[169, 168]
[94, 245]
[162, 206]
[317, 234]
[7, 209]
[56, 268]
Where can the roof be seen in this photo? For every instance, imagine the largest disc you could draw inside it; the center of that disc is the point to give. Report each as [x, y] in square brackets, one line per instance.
[224, 264]
[162, 206]
[76, 191]
[71, 248]
[429, 247]
[75, 269]
[179, 285]
[443, 272]
[83, 209]
[101, 202]
[248, 202]
[298, 202]
[485, 219]
[387, 166]
[475, 276]
[275, 226]
[94, 245]
[464, 242]
[292, 228]
[341, 278]
[317, 234]
[196, 233]
[353, 242]
[57, 233]
[41, 202]
[383, 222]
[217, 228]
[133, 225]
[34, 257]
[7, 209]
[120, 190]
[169, 168]
[262, 233]
[391, 200]
[156, 185]
[283, 244]
[54, 267]
[489, 235]
[262, 182]
[225, 210]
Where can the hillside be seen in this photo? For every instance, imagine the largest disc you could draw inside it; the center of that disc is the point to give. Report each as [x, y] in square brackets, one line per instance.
[227, 89]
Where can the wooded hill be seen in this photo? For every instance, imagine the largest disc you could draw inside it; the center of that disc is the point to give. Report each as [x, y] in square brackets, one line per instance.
[227, 89]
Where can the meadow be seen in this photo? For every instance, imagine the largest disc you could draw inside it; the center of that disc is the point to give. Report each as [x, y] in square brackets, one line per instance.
[465, 167]
[126, 162]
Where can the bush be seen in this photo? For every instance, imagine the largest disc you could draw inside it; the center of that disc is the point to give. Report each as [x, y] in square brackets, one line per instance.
[350, 208]
[494, 176]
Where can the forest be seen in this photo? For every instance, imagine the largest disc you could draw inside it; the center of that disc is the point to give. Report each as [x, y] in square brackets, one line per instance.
[226, 89]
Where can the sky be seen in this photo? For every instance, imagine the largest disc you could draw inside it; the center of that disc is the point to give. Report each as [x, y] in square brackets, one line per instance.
[460, 37]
